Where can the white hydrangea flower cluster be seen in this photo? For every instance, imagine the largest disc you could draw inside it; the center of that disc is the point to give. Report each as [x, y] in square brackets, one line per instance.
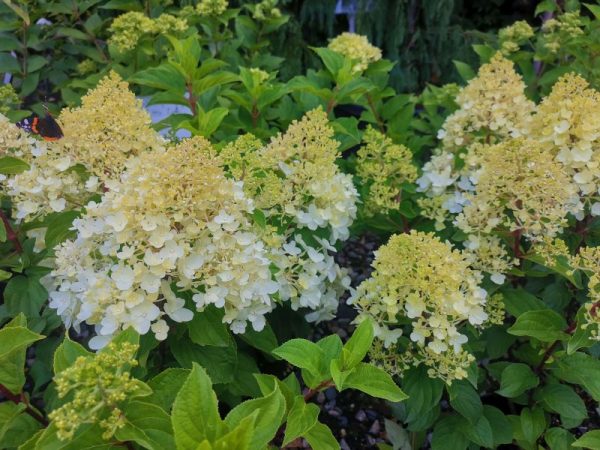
[310, 278]
[173, 223]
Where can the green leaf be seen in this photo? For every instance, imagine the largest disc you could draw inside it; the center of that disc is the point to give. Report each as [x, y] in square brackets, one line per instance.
[448, 435]
[358, 345]
[240, 438]
[533, 424]
[9, 64]
[207, 328]
[165, 77]
[271, 409]
[590, 440]
[16, 427]
[264, 340]
[465, 400]
[519, 301]
[559, 439]
[195, 414]
[515, 379]
[581, 337]
[209, 121]
[545, 6]
[480, 432]
[59, 228]
[501, 428]
[320, 437]
[67, 353]
[465, 71]
[88, 436]
[424, 393]
[374, 381]
[301, 418]
[595, 10]
[147, 425]
[35, 63]
[333, 61]
[14, 340]
[302, 353]
[220, 362]
[25, 295]
[165, 387]
[563, 400]
[579, 368]
[12, 166]
[544, 324]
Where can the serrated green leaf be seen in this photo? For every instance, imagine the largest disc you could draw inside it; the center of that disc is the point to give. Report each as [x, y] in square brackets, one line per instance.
[544, 324]
[516, 378]
[374, 381]
[301, 418]
[67, 353]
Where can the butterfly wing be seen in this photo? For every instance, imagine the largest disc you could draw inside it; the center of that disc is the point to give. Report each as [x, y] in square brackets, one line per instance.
[47, 128]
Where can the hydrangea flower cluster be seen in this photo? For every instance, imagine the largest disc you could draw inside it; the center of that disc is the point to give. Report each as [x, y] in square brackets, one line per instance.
[385, 166]
[9, 98]
[294, 180]
[173, 223]
[492, 107]
[357, 48]
[416, 276]
[568, 123]
[129, 28]
[109, 127]
[562, 29]
[212, 7]
[512, 37]
[520, 189]
[266, 9]
[100, 383]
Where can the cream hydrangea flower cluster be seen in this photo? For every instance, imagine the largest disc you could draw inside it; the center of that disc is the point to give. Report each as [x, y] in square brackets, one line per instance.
[357, 48]
[109, 127]
[48, 185]
[561, 29]
[295, 181]
[129, 28]
[492, 107]
[295, 177]
[568, 123]
[520, 189]
[416, 276]
[173, 223]
[99, 384]
[385, 166]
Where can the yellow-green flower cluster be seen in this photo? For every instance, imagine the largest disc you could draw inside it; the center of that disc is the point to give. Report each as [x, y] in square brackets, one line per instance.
[86, 66]
[520, 188]
[384, 166]
[99, 385]
[8, 98]
[513, 36]
[212, 7]
[109, 127]
[568, 124]
[357, 48]
[492, 107]
[416, 276]
[172, 223]
[295, 176]
[561, 29]
[266, 9]
[129, 28]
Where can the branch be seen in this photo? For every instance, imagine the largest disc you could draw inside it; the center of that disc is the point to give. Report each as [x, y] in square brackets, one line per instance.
[11, 235]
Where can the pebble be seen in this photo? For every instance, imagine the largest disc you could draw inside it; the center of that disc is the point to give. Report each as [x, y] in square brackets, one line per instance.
[360, 415]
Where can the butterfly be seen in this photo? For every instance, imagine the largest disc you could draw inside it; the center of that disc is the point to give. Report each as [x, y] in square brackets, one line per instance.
[47, 127]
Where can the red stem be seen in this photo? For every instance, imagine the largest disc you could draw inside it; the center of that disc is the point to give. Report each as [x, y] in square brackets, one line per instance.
[16, 399]
[11, 235]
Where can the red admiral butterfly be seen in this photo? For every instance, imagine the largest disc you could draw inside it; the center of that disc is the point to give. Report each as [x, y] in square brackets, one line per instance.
[46, 127]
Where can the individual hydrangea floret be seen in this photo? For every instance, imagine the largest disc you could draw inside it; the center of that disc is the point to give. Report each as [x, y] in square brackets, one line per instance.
[357, 48]
[173, 223]
[384, 166]
[99, 385]
[418, 277]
